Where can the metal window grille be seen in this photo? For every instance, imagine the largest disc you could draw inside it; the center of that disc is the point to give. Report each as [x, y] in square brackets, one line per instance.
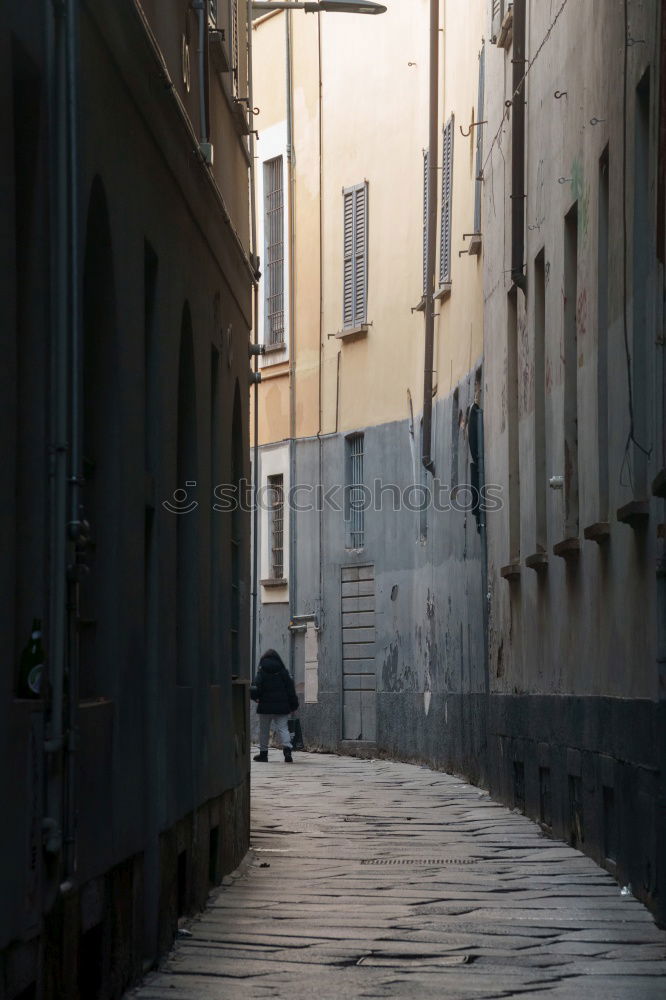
[479, 141]
[276, 500]
[274, 225]
[212, 13]
[426, 207]
[356, 514]
[355, 275]
[447, 192]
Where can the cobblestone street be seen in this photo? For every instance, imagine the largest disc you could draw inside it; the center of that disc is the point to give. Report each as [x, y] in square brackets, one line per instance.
[379, 879]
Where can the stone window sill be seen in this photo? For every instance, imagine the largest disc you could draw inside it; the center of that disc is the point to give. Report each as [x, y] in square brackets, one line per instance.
[274, 584]
[510, 572]
[635, 513]
[568, 548]
[538, 561]
[353, 332]
[598, 532]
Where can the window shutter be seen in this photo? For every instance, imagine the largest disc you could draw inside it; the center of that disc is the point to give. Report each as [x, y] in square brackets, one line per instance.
[355, 264]
[233, 18]
[496, 18]
[447, 191]
[348, 280]
[479, 141]
[426, 207]
[361, 254]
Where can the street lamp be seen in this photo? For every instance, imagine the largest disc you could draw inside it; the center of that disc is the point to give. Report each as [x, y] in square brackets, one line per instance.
[331, 6]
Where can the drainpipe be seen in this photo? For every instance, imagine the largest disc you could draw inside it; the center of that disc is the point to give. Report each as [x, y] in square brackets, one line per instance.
[429, 311]
[319, 608]
[256, 349]
[292, 345]
[52, 823]
[76, 527]
[518, 149]
[201, 7]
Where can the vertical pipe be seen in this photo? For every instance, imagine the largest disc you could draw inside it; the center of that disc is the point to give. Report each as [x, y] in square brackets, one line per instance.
[255, 395]
[429, 312]
[292, 344]
[76, 478]
[320, 96]
[518, 148]
[200, 7]
[59, 448]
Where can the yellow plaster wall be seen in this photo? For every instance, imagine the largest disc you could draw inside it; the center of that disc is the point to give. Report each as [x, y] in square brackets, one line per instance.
[374, 98]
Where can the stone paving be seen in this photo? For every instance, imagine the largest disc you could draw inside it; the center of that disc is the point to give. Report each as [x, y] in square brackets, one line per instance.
[370, 879]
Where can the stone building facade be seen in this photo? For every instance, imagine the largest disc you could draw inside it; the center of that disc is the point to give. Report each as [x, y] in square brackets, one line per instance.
[126, 302]
[574, 370]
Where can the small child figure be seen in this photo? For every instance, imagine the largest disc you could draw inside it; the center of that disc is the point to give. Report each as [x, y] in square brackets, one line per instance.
[273, 690]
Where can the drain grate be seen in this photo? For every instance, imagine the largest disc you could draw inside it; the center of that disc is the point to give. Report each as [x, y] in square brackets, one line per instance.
[418, 861]
[413, 961]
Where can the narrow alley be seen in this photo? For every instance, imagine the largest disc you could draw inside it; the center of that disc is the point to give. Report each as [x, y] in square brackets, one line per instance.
[368, 878]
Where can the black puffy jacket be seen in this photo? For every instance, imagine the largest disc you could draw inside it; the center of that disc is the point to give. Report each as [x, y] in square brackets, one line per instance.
[274, 687]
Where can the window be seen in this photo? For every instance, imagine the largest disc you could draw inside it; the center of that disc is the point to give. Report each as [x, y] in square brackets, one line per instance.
[426, 211]
[233, 19]
[354, 494]
[274, 240]
[603, 251]
[497, 11]
[512, 424]
[571, 373]
[355, 279]
[540, 439]
[447, 191]
[276, 526]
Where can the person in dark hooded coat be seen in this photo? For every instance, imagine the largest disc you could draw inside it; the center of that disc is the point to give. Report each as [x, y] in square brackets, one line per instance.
[276, 697]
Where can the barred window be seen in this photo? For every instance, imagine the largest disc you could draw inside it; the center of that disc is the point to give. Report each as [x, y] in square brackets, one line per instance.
[276, 525]
[355, 513]
[274, 229]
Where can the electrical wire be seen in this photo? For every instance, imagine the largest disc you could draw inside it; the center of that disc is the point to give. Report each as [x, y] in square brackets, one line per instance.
[519, 87]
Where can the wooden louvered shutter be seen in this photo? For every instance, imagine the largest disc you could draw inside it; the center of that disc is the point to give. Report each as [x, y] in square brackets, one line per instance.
[479, 141]
[361, 254]
[496, 17]
[426, 208]
[355, 273]
[348, 275]
[447, 192]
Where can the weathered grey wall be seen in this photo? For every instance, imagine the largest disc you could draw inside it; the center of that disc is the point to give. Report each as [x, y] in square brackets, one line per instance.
[428, 597]
[161, 749]
[576, 727]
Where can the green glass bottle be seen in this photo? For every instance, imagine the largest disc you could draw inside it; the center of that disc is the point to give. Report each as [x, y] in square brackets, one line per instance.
[31, 669]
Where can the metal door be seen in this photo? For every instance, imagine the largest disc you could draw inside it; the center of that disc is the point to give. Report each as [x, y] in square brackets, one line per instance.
[359, 716]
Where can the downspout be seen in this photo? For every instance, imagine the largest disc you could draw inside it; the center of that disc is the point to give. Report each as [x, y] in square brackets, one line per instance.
[518, 149]
[77, 527]
[201, 7]
[319, 608]
[256, 349]
[429, 307]
[53, 746]
[292, 346]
